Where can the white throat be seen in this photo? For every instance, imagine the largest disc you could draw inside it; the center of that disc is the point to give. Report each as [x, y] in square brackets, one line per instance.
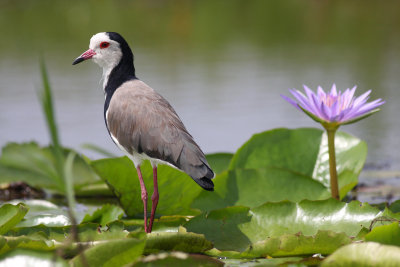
[106, 75]
[107, 58]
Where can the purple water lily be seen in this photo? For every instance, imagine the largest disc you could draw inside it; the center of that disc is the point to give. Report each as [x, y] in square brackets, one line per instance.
[334, 107]
[332, 110]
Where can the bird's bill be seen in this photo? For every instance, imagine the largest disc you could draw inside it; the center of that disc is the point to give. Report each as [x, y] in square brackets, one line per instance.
[87, 55]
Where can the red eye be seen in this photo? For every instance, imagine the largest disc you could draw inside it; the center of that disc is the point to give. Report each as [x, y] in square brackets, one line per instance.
[104, 45]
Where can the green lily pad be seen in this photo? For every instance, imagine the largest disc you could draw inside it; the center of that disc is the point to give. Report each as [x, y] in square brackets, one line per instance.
[323, 242]
[237, 228]
[178, 259]
[87, 232]
[176, 189]
[260, 262]
[31, 258]
[253, 187]
[104, 215]
[163, 224]
[395, 206]
[176, 241]
[111, 253]
[385, 234]
[11, 215]
[43, 212]
[295, 150]
[9, 243]
[222, 227]
[364, 254]
[219, 162]
[303, 152]
[36, 166]
[120, 175]
[276, 165]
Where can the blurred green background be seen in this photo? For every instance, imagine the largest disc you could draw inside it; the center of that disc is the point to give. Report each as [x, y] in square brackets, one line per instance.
[221, 63]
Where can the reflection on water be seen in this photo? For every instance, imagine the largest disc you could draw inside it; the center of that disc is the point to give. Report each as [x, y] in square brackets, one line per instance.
[221, 64]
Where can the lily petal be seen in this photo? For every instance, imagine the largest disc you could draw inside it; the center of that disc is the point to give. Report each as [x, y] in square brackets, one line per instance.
[335, 107]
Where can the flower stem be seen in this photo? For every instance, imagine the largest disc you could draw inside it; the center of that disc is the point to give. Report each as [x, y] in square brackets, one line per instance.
[332, 162]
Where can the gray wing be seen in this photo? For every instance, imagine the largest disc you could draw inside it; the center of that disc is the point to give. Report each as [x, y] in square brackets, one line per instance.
[143, 121]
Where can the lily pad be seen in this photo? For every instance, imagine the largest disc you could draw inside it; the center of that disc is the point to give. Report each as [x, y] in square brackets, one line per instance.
[43, 212]
[9, 243]
[11, 215]
[104, 215]
[35, 165]
[177, 190]
[176, 241]
[260, 262]
[111, 253]
[395, 206]
[253, 187]
[369, 254]
[87, 232]
[303, 152]
[219, 162]
[163, 224]
[178, 259]
[23, 257]
[275, 165]
[385, 234]
[237, 228]
[323, 242]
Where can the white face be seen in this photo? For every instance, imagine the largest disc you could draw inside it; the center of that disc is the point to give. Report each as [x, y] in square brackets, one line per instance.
[108, 52]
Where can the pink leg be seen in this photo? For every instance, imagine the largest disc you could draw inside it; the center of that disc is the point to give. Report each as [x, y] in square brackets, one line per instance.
[154, 198]
[144, 197]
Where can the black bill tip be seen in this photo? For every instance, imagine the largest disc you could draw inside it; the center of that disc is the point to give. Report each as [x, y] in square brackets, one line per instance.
[78, 60]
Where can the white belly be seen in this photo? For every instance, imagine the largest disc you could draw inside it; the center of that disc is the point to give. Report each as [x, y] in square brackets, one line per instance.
[137, 158]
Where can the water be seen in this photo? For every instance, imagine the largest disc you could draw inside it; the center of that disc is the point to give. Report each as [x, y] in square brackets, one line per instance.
[221, 65]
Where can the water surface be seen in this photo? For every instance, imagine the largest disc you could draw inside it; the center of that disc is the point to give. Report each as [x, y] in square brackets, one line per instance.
[221, 64]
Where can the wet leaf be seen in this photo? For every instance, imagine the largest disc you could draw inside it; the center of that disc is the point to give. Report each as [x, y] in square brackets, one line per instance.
[323, 242]
[11, 215]
[303, 152]
[23, 257]
[36, 166]
[176, 241]
[104, 215]
[260, 262]
[253, 187]
[178, 259]
[237, 228]
[169, 223]
[86, 231]
[163, 224]
[43, 212]
[295, 150]
[385, 234]
[112, 253]
[223, 227]
[38, 243]
[365, 255]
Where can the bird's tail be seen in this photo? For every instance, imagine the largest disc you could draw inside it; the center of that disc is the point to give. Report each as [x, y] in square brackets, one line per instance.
[205, 182]
[193, 161]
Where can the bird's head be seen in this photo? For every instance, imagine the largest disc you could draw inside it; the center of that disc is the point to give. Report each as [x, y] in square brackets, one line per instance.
[106, 49]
